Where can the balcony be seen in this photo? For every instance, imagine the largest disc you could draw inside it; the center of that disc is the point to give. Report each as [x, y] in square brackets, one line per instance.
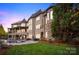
[17, 33]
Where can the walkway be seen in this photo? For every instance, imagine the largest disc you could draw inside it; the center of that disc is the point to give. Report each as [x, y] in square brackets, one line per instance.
[26, 42]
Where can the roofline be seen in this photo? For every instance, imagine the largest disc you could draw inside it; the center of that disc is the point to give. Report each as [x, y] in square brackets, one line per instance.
[36, 15]
[48, 8]
[42, 12]
[18, 22]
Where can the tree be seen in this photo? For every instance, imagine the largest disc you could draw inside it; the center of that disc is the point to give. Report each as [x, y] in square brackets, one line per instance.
[2, 32]
[65, 23]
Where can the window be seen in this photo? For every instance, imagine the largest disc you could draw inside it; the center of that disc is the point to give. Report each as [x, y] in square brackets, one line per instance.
[37, 35]
[38, 26]
[51, 14]
[30, 21]
[14, 25]
[23, 30]
[18, 31]
[30, 35]
[30, 27]
[38, 18]
[48, 16]
[46, 35]
[46, 20]
[23, 24]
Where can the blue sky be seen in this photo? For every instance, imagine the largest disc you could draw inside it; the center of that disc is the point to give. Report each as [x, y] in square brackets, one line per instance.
[10, 13]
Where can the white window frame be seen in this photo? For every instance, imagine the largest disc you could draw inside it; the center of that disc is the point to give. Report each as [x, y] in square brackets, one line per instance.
[23, 30]
[38, 18]
[48, 15]
[51, 14]
[46, 34]
[37, 35]
[15, 25]
[23, 24]
[38, 26]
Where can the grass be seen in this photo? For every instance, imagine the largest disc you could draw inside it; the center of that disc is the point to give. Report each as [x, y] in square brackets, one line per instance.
[41, 49]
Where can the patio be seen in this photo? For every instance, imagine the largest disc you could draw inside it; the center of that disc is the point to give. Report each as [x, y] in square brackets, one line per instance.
[21, 43]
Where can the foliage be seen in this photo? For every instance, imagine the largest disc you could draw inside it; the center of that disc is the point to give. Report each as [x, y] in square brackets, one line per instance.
[65, 23]
[2, 32]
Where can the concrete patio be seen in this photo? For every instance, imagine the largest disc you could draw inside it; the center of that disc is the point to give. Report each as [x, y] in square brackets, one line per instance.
[21, 43]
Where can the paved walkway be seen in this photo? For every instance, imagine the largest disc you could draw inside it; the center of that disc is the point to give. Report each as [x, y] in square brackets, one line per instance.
[27, 42]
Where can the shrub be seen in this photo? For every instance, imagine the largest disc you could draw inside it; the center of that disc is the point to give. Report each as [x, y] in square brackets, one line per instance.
[28, 39]
[36, 39]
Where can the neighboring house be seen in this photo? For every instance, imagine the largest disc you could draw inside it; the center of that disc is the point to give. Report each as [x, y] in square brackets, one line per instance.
[18, 30]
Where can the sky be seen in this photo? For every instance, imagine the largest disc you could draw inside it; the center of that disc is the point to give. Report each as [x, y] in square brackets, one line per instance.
[13, 12]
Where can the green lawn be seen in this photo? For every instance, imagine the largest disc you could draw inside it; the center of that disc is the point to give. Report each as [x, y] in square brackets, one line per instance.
[41, 49]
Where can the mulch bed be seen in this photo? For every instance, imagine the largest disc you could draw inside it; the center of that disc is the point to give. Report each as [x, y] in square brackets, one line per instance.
[59, 42]
[4, 50]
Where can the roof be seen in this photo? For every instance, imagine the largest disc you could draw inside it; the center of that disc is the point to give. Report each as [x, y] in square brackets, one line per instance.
[23, 21]
[40, 11]
[49, 8]
[36, 14]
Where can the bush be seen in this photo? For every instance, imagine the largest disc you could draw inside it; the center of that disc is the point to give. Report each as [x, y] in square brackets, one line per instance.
[36, 39]
[50, 41]
[28, 39]
[3, 45]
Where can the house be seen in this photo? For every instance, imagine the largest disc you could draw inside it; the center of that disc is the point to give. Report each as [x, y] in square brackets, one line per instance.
[34, 23]
[47, 20]
[18, 30]
[39, 24]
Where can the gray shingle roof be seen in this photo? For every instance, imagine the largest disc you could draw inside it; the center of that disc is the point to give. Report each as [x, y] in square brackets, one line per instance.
[23, 21]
